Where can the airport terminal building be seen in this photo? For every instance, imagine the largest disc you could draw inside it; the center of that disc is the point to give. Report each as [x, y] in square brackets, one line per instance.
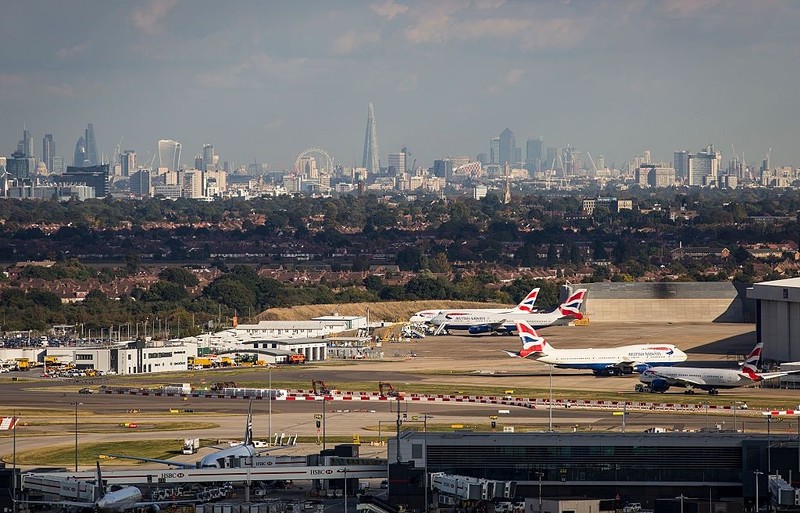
[639, 467]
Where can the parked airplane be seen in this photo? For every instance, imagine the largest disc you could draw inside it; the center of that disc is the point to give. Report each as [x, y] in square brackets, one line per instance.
[114, 501]
[660, 379]
[526, 305]
[602, 362]
[506, 321]
[218, 459]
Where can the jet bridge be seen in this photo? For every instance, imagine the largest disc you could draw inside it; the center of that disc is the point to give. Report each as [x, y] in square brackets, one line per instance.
[361, 468]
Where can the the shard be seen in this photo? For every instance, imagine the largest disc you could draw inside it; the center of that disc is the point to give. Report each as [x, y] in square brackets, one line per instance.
[371, 159]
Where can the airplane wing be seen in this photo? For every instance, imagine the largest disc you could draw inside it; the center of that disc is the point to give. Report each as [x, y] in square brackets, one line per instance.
[692, 381]
[772, 375]
[179, 464]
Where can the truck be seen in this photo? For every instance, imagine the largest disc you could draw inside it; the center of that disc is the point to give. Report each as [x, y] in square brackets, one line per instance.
[296, 358]
[22, 364]
[199, 362]
[177, 388]
[191, 445]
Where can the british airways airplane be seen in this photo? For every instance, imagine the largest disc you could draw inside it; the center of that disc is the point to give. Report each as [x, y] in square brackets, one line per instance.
[526, 305]
[660, 379]
[610, 361]
[476, 322]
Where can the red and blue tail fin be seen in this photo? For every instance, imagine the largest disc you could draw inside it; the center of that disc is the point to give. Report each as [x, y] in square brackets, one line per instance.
[750, 365]
[526, 305]
[531, 341]
[572, 306]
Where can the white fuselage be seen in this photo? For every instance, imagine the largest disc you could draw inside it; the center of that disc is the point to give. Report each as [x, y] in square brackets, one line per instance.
[599, 359]
[698, 377]
[465, 319]
[119, 500]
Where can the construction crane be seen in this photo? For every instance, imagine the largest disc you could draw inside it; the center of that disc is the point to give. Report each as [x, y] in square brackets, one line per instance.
[593, 164]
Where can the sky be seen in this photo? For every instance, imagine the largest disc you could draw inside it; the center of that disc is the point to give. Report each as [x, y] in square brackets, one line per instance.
[263, 80]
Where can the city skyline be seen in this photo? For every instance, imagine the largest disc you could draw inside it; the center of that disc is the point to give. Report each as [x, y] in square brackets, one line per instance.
[611, 78]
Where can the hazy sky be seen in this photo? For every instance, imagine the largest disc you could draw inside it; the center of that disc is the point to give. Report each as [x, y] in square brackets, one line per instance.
[265, 79]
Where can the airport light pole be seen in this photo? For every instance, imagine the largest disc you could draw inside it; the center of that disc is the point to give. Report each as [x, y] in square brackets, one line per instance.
[269, 370]
[757, 473]
[345, 489]
[540, 475]
[681, 497]
[550, 408]
[76, 404]
[425, 418]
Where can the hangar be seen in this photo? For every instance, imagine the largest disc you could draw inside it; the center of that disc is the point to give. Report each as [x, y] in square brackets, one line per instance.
[777, 305]
[666, 301]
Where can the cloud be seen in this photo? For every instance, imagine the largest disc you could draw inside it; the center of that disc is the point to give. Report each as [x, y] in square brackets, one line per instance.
[688, 8]
[511, 78]
[352, 40]
[388, 9]
[72, 51]
[489, 4]
[149, 19]
[62, 90]
[429, 29]
[527, 32]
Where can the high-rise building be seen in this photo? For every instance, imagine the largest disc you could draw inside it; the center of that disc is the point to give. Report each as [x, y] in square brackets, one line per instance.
[140, 182]
[533, 154]
[208, 157]
[48, 152]
[25, 146]
[127, 162]
[169, 154]
[19, 166]
[93, 176]
[494, 151]
[91, 147]
[680, 161]
[508, 148]
[397, 164]
[80, 159]
[704, 167]
[371, 159]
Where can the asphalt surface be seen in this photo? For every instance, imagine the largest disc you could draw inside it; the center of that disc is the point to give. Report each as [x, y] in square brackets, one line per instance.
[452, 362]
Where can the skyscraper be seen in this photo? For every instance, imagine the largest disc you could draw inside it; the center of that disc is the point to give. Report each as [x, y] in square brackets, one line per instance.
[494, 150]
[91, 146]
[80, 159]
[127, 162]
[508, 148]
[25, 146]
[371, 159]
[169, 154]
[48, 152]
[208, 156]
[533, 154]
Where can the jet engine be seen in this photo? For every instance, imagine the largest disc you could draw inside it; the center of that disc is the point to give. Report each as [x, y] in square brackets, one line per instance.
[481, 328]
[659, 385]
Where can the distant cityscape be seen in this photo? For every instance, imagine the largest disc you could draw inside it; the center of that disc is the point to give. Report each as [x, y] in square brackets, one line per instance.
[129, 173]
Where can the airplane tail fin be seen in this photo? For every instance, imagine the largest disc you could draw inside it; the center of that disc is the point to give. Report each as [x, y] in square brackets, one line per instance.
[572, 306]
[532, 343]
[750, 365]
[526, 305]
[248, 430]
[99, 489]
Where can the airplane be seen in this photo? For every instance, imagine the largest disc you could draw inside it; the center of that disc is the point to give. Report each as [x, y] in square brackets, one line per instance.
[660, 379]
[218, 459]
[526, 305]
[612, 361]
[476, 323]
[114, 501]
